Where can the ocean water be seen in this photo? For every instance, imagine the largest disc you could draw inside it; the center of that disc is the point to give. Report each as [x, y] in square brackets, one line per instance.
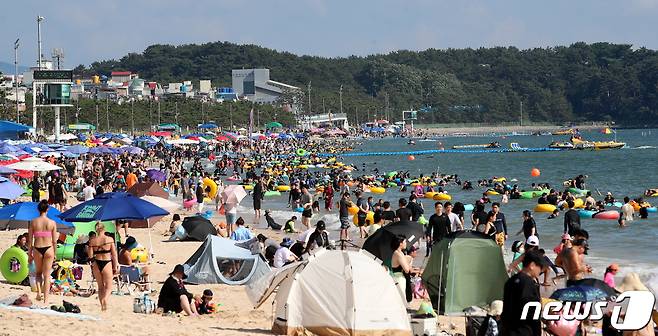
[624, 172]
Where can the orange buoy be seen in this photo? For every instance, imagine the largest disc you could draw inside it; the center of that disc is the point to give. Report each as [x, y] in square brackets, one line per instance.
[535, 172]
[411, 158]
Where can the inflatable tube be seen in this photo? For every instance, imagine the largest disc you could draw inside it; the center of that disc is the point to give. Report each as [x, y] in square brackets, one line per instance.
[538, 193]
[207, 200]
[492, 192]
[586, 213]
[615, 204]
[500, 179]
[545, 208]
[208, 183]
[430, 194]
[610, 214]
[64, 251]
[139, 254]
[282, 188]
[301, 152]
[469, 207]
[271, 193]
[527, 195]
[353, 210]
[654, 195]
[248, 187]
[422, 220]
[232, 179]
[391, 174]
[652, 209]
[189, 204]
[578, 191]
[15, 276]
[391, 184]
[370, 218]
[377, 190]
[442, 197]
[578, 203]
[319, 189]
[299, 209]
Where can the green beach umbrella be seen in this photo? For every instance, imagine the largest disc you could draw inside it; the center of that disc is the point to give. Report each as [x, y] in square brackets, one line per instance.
[273, 124]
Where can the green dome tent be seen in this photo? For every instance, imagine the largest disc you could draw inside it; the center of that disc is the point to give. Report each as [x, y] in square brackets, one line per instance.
[468, 269]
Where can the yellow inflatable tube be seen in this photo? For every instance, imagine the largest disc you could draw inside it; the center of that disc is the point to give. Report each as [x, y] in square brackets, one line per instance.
[370, 218]
[442, 197]
[208, 183]
[545, 208]
[492, 193]
[283, 188]
[377, 190]
[430, 194]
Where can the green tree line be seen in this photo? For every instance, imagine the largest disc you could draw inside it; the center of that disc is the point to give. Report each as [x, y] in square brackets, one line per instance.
[580, 82]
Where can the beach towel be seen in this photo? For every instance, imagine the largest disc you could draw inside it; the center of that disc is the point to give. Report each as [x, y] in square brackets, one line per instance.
[6, 303]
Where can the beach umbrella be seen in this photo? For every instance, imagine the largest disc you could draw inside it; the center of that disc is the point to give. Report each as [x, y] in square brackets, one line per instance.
[6, 148]
[34, 164]
[581, 293]
[379, 243]
[233, 194]
[113, 206]
[19, 215]
[157, 175]
[5, 170]
[78, 149]
[10, 190]
[198, 228]
[273, 124]
[162, 203]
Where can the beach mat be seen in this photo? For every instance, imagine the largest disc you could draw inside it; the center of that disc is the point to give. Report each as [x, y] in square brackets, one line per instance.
[6, 303]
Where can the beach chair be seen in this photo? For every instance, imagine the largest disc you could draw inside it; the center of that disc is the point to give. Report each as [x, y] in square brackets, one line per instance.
[130, 278]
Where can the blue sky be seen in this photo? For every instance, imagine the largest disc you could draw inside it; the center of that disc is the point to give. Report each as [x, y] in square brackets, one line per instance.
[95, 30]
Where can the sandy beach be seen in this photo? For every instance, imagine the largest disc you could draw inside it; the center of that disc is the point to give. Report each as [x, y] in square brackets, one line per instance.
[236, 315]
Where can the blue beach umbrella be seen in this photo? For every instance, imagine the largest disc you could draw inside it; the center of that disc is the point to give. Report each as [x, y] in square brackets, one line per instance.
[5, 170]
[10, 190]
[18, 215]
[113, 206]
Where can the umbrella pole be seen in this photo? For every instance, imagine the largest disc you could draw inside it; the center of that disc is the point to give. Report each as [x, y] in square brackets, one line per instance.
[148, 223]
[438, 305]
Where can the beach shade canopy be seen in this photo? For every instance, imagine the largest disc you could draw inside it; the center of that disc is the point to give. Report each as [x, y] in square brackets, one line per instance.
[467, 267]
[148, 189]
[34, 164]
[233, 194]
[5, 170]
[19, 215]
[10, 190]
[157, 175]
[222, 261]
[198, 228]
[78, 149]
[379, 243]
[333, 293]
[113, 206]
[273, 124]
[208, 126]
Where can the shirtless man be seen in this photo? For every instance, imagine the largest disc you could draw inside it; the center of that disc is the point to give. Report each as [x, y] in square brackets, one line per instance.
[572, 260]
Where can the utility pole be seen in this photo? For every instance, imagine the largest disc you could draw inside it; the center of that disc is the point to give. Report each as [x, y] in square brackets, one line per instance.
[340, 96]
[308, 113]
[97, 122]
[132, 117]
[521, 115]
[34, 96]
[107, 112]
[16, 45]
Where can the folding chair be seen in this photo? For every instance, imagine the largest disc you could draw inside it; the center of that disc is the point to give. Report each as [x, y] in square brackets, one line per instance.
[129, 277]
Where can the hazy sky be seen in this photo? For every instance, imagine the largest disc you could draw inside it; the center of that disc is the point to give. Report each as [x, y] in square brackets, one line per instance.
[90, 30]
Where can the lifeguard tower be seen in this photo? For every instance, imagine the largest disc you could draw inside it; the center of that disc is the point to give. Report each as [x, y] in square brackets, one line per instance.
[52, 88]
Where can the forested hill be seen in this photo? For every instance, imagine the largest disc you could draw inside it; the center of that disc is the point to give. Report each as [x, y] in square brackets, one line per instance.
[600, 81]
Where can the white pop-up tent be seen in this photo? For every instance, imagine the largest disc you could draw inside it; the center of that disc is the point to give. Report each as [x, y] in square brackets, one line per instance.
[219, 260]
[334, 293]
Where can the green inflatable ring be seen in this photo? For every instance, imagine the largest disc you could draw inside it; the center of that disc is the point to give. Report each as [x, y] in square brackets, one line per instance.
[272, 193]
[64, 251]
[301, 152]
[5, 265]
[527, 195]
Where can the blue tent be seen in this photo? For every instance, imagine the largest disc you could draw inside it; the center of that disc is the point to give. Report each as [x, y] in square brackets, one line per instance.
[12, 130]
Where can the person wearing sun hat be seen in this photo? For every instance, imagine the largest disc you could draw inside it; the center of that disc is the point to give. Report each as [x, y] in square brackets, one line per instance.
[283, 255]
[174, 297]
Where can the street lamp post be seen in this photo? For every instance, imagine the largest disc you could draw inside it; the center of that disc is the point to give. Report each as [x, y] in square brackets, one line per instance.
[132, 117]
[16, 45]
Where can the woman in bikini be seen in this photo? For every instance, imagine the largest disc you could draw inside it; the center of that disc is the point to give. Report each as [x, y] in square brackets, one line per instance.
[104, 263]
[42, 240]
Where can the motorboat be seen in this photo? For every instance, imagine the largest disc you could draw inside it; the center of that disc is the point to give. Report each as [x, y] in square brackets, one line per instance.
[489, 145]
[561, 145]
